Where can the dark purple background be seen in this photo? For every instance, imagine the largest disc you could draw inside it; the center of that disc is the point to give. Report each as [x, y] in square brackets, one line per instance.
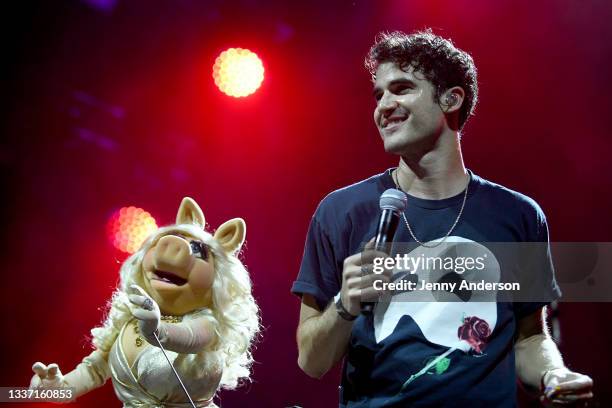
[114, 105]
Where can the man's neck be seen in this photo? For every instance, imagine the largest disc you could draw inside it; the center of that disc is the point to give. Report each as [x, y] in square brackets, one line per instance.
[435, 174]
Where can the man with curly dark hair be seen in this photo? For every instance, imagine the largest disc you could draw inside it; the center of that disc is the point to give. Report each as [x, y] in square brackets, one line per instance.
[437, 353]
[443, 65]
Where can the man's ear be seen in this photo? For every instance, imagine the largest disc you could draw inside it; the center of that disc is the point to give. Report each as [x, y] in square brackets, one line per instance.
[452, 99]
[190, 213]
[231, 234]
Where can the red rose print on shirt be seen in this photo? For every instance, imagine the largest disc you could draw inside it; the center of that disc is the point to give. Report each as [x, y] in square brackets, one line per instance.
[475, 331]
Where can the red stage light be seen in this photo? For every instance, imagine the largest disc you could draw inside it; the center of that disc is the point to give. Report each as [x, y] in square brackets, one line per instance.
[128, 227]
[238, 72]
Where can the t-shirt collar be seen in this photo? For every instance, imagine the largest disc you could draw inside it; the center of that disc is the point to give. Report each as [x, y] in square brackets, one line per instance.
[388, 182]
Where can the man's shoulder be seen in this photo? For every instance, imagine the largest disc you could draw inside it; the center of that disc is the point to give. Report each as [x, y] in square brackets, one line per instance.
[368, 186]
[354, 195]
[357, 197]
[507, 199]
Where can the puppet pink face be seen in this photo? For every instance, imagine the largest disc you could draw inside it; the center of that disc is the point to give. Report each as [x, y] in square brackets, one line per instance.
[179, 270]
[179, 274]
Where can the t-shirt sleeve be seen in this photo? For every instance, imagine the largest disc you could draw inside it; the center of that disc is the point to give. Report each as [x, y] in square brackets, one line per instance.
[541, 282]
[320, 273]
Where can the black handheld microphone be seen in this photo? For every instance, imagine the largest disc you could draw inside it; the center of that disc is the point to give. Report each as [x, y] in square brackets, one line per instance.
[392, 204]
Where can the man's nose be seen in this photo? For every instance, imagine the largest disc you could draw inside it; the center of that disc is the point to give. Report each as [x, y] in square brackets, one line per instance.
[387, 104]
[172, 254]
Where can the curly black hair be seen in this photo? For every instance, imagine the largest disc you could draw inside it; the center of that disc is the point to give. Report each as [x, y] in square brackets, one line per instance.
[435, 57]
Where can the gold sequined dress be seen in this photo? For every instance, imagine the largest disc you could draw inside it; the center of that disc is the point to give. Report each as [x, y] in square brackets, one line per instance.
[151, 383]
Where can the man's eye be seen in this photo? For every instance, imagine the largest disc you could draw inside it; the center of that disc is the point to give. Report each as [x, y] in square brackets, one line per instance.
[199, 249]
[402, 89]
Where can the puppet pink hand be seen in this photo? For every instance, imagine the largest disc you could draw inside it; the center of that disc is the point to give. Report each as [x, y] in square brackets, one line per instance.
[46, 376]
[146, 310]
[563, 387]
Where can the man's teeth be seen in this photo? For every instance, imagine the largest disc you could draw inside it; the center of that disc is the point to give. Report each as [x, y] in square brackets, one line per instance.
[394, 122]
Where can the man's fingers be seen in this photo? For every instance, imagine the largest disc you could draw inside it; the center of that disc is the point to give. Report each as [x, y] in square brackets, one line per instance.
[363, 278]
[369, 257]
[365, 257]
[368, 280]
[369, 245]
[368, 292]
[374, 272]
[352, 261]
[366, 270]
[40, 369]
[583, 382]
[551, 392]
[573, 397]
[556, 403]
[578, 386]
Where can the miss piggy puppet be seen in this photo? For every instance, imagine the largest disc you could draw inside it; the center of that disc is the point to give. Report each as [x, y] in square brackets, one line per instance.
[187, 287]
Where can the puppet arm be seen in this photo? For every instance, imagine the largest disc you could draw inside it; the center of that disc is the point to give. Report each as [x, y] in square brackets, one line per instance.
[91, 373]
[186, 337]
[539, 364]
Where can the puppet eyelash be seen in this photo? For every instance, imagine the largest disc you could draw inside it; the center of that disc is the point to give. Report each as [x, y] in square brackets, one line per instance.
[199, 249]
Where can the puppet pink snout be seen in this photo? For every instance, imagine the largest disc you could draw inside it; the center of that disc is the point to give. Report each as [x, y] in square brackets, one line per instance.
[172, 254]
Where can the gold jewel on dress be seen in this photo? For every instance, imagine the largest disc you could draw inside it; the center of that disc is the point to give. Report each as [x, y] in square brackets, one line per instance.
[169, 319]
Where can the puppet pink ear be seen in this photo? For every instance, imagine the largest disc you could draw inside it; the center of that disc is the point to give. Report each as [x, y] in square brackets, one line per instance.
[190, 213]
[231, 235]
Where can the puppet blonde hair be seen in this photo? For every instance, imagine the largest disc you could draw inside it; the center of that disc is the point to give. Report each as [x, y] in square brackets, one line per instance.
[234, 313]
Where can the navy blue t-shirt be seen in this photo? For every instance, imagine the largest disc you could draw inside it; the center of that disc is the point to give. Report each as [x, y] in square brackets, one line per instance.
[389, 350]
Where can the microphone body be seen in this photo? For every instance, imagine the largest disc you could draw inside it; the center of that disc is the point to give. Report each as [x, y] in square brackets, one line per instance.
[387, 225]
[392, 204]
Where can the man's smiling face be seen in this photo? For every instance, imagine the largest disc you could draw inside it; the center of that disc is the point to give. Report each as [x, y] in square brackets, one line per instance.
[406, 114]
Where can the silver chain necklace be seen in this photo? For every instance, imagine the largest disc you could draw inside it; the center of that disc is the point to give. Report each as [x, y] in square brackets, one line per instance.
[396, 181]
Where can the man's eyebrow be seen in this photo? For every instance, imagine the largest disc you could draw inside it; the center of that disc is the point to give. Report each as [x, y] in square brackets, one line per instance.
[395, 82]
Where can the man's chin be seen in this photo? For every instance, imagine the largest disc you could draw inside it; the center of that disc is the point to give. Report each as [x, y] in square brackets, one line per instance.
[405, 145]
[393, 147]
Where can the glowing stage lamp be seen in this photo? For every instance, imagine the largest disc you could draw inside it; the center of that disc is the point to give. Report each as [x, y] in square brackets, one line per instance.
[128, 227]
[238, 72]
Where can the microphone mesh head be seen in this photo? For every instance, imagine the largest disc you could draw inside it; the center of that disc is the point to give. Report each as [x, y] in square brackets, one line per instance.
[393, 199]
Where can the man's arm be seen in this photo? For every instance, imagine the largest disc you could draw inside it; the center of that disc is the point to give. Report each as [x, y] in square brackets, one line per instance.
[322, 337]
[536, 352]
[539, 362]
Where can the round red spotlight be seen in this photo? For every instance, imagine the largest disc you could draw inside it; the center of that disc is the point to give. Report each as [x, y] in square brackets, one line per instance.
[238, 72]
[128, 227]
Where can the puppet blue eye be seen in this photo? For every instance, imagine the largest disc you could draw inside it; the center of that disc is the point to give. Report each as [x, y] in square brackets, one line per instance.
[199, 249]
